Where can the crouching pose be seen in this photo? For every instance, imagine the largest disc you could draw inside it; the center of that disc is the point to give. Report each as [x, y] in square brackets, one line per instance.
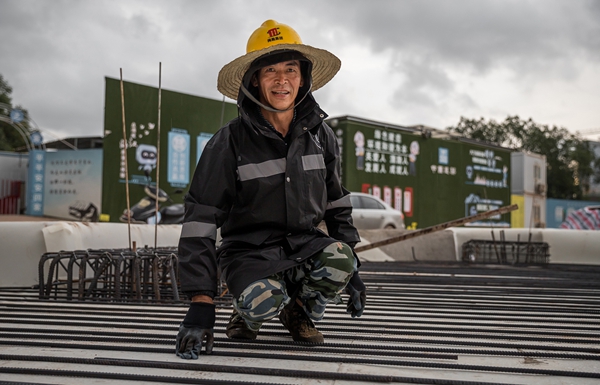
[267, 179]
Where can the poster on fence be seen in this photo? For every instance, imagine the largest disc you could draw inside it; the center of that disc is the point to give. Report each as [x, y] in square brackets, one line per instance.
[73, 184]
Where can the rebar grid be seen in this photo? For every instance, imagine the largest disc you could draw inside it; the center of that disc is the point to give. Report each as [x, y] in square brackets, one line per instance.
[505, 252]
[146, 274]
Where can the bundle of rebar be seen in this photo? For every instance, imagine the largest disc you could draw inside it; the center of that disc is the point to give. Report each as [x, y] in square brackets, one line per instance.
[110, 274]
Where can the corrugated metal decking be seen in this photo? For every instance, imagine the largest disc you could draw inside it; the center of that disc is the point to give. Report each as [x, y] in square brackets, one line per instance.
[425, 324]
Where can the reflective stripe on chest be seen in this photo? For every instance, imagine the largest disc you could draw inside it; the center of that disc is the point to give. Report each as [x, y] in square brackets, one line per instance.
[278, 166]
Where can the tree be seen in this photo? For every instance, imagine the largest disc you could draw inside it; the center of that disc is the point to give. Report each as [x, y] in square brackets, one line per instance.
[568, 156]
[11, 139]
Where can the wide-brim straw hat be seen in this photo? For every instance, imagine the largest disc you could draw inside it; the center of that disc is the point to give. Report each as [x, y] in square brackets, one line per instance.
[269, 37]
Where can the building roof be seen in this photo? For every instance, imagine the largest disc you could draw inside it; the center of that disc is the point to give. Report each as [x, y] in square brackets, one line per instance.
[79, 143]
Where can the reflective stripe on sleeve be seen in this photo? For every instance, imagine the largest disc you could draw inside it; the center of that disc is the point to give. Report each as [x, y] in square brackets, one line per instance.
[262, 170]
[313, 162]
[199, 229]
[342, 202]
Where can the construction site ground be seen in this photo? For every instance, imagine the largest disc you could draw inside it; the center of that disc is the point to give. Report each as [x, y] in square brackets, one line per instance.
[428, 320]
[424, 324]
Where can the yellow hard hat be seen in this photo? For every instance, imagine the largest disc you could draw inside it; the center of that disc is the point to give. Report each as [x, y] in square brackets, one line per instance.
[272, 33]
[273, 36]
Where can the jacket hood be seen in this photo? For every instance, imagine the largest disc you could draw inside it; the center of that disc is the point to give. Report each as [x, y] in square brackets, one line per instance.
[269, 59]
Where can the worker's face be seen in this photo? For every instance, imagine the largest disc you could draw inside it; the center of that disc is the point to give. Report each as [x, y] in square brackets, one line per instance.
[278, 84]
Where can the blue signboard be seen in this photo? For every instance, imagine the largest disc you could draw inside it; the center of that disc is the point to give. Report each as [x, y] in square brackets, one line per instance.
[178, 158]
[443, 155]
[35, 183]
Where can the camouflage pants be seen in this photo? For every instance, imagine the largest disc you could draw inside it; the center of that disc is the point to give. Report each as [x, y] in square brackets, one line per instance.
[319, 279]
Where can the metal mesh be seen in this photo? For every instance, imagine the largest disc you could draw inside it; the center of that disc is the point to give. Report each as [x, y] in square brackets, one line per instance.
[505, 252]
[113, 274]
[121, 275]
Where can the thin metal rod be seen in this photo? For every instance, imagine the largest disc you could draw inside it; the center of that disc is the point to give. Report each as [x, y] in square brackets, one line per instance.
[125, 147]
[441, 226]
[158, 155]
[495, 247]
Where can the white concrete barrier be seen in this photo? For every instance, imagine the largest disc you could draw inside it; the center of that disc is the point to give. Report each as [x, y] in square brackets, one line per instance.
[80, 236]
[573, 246]
[438, 246]
[23, 243]
[566, 246]
[21, 246]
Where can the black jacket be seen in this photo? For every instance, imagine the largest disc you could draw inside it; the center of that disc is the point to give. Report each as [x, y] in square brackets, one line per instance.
[268, 195]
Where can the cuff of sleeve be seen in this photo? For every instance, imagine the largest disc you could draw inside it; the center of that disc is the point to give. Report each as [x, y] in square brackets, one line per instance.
[357, 282]
[191, 294]
[201, 315]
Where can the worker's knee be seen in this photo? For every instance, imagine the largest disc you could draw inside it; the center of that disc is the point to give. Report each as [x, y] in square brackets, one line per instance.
[262, 300]
[338, 256]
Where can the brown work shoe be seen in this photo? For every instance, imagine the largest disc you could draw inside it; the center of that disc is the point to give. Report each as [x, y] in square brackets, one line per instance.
[237, 328]
[296, 321]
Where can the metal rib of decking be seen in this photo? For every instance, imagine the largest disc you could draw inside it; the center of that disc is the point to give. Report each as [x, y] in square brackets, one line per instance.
[424, 324]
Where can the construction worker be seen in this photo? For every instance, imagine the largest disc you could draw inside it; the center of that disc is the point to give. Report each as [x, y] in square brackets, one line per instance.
[267, 179]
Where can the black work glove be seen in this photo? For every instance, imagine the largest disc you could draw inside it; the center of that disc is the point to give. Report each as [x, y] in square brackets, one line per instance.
[197, 328]
[358, 296]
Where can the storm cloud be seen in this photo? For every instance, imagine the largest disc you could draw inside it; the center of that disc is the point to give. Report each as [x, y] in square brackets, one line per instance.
[404, 62]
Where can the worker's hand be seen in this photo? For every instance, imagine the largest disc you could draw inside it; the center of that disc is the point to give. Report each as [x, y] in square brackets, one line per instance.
[358, 296]
[190, 340]
[196, 329]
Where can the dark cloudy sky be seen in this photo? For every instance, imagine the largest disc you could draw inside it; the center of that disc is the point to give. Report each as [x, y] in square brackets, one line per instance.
[404, 62]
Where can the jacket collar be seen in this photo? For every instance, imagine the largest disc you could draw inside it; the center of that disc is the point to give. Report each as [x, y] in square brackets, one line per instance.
[308, 116]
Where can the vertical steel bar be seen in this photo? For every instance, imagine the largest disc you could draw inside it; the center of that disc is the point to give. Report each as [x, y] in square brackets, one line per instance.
[41, 268]
[527, 258]
[125, 147]
[72, 261]
[155, 277]
[145, 275]
[498, 259]
[518, 247]
[158, 154]
[82, 277]
[137, 277]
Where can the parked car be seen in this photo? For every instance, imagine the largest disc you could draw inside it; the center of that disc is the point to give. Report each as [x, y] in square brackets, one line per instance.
[370, 212]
